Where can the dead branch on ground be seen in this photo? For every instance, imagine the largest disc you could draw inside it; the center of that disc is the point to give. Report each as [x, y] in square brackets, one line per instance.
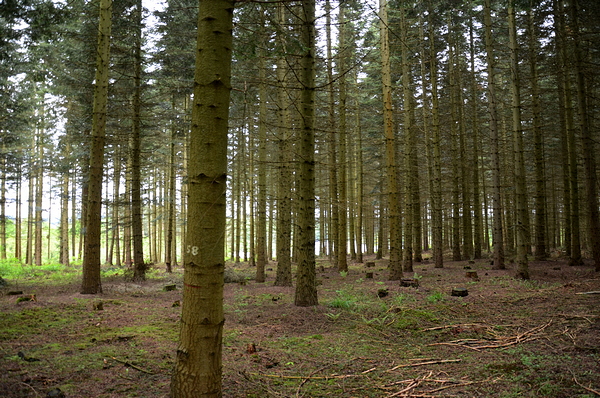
[498, 341]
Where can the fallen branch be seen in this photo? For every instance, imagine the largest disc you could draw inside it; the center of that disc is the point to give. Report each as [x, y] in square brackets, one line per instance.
[594, 292]
[412, 365]
[129, 364]
[498, 342]
[306, 377]
[34, 390]
[588, 389]
[463, 325]
[413, 384]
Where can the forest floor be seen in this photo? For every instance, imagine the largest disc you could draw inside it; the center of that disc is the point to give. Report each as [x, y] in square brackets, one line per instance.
[507, 338]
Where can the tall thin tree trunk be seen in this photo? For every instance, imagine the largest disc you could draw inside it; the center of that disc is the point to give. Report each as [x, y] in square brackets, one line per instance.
[498, 240]
[91, 283]
[39, 191]
[64, 215]
[589, 157]
[18, 218]
[3, 202]
[456, 156]
[334, 234]
[520, 182]
[306, 286]
[342, 249]
[541, 251]
[261, 210]
[477, 216]
[436, 196]
[284, 207]
[393, 196]
[139, 266]
[411, 210]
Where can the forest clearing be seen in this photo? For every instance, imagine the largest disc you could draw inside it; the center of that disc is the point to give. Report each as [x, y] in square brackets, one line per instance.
[507, 338]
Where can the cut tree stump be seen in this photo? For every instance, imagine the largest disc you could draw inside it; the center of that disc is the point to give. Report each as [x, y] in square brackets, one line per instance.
[370, 264]
[460, 292]
[169, 288]
[369, 275]
[472, 275]
[409, 282]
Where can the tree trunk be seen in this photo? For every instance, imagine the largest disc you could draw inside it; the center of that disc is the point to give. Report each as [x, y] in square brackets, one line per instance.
[198, 363]
[39, 193]
[334, 225]
[520, 182]
[18, 218]
[306, 284]
[3, 202]
[411, 191]
[261, 204]
[588, 141]
[498, 242]
[64, 215]
[477, 216]
[393, 197]
[436, 195]
[284, 206]
[139, 266]
[342, 248]
[91, 283]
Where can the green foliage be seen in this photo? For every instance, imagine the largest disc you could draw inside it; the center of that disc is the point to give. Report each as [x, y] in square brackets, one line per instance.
[13, 269]
[345, 300]
[435, 297]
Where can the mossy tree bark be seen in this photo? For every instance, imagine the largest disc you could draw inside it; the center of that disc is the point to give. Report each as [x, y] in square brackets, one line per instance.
[342, 247]
[284, 206]
[91, 283]
[497, 235]
[436, 195]
[198, 363]
[261, 205]
[540, 201]
[139, 267]
[521, 225]
[393, 196]
[411, 191]
[588, 141]
[306, 284]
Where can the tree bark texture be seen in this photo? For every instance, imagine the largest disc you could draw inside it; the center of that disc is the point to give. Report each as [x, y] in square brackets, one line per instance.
[198, 363]
[91, 283]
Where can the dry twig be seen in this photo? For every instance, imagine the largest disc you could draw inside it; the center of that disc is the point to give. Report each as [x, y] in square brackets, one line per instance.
[412, 365]
[588, 389]
[498, 342]
[129, 364]
[463, 325]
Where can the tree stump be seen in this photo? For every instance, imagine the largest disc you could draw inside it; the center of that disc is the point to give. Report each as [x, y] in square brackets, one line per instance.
[409, 282]
[460, 292]
[472, 275]
[370, 264]
[369, 275]
[169, 288]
